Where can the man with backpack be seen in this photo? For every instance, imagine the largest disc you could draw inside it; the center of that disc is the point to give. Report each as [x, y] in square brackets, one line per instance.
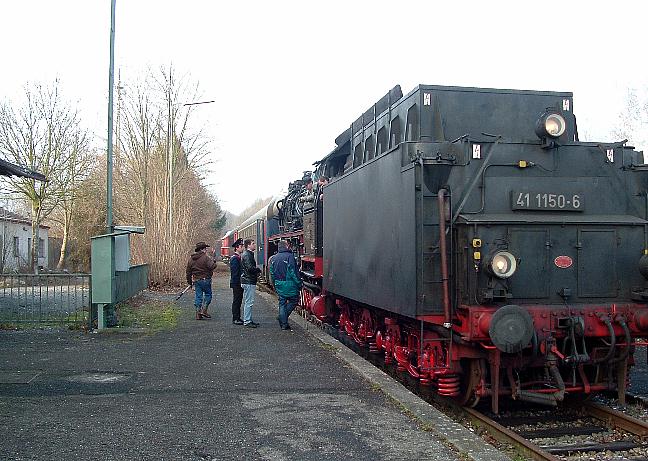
[285, 277]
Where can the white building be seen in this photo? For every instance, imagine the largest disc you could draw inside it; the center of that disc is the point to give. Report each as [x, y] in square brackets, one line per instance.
[16, 241]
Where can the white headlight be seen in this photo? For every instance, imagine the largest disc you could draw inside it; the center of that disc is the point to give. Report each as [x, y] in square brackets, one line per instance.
[551, 124]
[555, 125]
[502, 264]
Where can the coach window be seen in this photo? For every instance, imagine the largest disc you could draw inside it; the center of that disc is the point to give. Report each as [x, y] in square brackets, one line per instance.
[369, 148]
[412, 133]
[381, 140]
[395, 129]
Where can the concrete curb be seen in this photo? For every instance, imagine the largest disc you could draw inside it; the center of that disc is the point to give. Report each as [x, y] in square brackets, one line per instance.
[462, 439]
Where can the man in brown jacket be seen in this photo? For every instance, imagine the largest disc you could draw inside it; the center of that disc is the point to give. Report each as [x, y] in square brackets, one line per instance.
[200, 269]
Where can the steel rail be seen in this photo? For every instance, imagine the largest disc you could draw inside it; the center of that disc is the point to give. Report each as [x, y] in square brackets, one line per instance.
[506, 435]
[617, 419]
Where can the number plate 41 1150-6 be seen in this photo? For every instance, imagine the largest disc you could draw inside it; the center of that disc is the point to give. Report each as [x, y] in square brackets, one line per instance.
[536, 200]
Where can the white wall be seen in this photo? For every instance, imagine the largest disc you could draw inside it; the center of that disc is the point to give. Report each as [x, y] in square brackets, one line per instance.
[9, 230]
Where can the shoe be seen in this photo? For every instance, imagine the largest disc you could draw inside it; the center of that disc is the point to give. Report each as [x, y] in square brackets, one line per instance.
[198, 315]
[287, 327]
[205, 314]
[254, 323]
[237, 322]
[251, 325]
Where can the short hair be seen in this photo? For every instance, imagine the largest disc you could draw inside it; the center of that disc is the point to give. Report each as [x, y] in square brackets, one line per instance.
[323, 178]
[282, 244]
[247, 243]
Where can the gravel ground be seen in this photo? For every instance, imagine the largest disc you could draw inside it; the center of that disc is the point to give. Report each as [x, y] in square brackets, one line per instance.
[639, 373]
[206, 390]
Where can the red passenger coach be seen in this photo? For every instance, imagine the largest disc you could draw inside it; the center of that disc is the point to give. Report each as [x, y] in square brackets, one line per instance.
[227, 240]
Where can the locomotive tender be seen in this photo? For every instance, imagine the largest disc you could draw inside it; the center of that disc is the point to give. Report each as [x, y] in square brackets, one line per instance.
[470, 236]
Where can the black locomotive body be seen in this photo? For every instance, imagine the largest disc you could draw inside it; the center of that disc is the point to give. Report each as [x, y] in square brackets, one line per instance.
[470, 236]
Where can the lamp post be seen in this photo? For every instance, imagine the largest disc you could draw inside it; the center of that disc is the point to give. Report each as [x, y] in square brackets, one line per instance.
[171, 157]
[109, 155]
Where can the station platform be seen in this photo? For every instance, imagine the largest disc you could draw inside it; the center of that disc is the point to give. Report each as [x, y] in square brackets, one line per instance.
[211, 390]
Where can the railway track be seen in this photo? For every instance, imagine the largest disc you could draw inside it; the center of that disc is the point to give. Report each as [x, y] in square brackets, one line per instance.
[585, 430]
[592, 431]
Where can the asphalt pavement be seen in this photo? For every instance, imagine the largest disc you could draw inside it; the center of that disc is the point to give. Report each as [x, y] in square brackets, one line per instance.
[205, 390]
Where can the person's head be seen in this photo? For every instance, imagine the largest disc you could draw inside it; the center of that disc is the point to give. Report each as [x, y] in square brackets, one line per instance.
[238, 246]
[249, 244]
[283, 245]
[323, 180]
[309, 184]
[201, 246]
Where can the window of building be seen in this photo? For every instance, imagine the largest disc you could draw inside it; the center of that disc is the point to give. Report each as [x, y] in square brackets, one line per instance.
[29, 249]
[16, 247]
[41, 248]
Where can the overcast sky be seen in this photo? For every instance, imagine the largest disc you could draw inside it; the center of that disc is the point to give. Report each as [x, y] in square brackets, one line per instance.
[288, 77]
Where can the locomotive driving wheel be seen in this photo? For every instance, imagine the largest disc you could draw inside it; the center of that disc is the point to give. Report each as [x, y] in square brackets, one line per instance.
[471, 381]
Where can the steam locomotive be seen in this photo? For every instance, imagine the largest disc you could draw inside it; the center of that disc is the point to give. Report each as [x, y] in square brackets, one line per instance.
[470, 237]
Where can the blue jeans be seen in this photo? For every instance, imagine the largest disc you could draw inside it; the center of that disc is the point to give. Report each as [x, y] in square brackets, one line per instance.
[286, 306]
[248, 301]
[203, 288]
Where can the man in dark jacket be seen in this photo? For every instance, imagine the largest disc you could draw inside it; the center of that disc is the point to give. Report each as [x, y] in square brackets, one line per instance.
[249, 274]
[235, 282]
[285, 277]
[200, 269]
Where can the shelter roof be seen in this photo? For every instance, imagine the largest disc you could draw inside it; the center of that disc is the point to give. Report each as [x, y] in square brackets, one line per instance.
[9, 169]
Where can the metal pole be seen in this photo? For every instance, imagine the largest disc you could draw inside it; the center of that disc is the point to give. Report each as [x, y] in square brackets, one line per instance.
[170, 160]
[109, 157]
[117, 138]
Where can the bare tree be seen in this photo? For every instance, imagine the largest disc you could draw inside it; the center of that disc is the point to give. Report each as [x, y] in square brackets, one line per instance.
[633, 119]
[5, 246]
[159, 139]
[41, 134]
[138, 145]
[77, 168]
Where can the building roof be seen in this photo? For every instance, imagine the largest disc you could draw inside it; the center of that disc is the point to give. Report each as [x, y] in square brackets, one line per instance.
[9, 216]
[9, 169]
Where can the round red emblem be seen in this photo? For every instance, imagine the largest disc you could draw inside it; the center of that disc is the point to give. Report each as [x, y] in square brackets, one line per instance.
[563, 262]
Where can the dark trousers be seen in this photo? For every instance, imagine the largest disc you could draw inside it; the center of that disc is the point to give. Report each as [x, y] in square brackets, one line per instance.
[286, 306]
[237, 300]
